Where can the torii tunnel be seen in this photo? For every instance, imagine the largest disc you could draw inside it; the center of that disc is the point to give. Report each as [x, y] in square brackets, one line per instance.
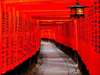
[24, 23]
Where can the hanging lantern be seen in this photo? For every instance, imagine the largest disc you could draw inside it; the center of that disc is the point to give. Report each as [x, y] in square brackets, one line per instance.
[77, 10]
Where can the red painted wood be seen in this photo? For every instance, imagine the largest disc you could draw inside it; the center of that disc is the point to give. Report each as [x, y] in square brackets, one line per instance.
[20, 39]
[33, 13]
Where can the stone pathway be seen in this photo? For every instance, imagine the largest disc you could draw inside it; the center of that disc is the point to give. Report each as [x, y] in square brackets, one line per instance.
[53, 61]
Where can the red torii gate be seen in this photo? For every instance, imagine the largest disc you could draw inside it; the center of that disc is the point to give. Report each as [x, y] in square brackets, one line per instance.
[27, 13]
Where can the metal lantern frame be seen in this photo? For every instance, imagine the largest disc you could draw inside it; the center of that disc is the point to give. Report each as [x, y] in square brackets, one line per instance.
[77, 10]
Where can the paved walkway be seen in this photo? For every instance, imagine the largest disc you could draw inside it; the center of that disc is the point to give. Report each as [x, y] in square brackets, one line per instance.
[54, 62]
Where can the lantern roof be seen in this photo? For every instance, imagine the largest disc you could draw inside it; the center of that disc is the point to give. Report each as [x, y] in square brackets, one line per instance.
[77, 6]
